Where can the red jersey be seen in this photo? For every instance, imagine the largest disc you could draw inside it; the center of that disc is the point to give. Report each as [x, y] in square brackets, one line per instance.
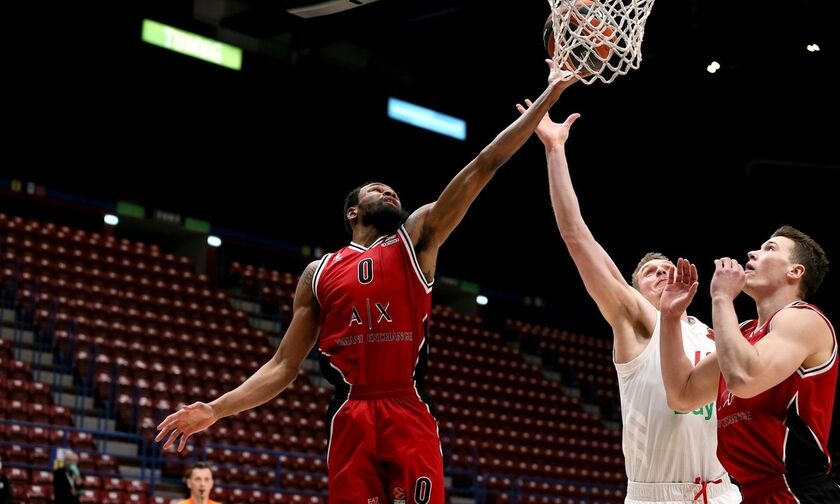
[383, 441]
[781, 434]
[375, 307]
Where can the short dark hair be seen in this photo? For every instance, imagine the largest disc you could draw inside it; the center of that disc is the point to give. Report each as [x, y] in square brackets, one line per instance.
[197, 465]
[808, 253]
[650, 256]
[351, 200]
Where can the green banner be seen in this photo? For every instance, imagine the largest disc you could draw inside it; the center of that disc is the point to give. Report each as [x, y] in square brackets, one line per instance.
[470, 287]
[131, 210]
[191, 44]
[197, 225]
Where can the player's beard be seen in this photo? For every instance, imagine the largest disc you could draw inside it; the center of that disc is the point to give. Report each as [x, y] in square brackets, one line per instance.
[385, 218]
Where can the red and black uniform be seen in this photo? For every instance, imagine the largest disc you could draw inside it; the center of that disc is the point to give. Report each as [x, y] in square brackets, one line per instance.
[776, 443]
[375, 306]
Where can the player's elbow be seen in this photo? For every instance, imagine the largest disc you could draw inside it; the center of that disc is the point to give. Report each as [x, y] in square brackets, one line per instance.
[679, 404]
[682, 399]
[574, 231]
[287, 366]
[743, 390]
[573, 234]
[282, 368]
[740, 385]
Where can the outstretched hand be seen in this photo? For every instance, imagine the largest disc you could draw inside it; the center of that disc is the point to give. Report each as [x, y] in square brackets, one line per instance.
[548, 131]
[184, 423]
[557, 76]
[680, 289]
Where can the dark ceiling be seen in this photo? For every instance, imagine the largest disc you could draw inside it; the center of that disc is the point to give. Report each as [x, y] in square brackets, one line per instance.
[667, 158]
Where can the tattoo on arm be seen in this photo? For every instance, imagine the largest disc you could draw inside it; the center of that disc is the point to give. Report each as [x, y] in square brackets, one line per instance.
[308, 274]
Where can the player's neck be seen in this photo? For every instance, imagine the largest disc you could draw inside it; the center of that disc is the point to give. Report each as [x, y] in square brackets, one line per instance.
[365, 236]
[766, 306]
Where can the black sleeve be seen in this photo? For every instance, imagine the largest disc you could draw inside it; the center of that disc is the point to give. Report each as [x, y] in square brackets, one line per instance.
[5, 490]
[61, 486]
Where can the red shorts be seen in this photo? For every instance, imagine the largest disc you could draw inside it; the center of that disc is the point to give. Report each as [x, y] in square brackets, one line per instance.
[816, 489]
[384, 448]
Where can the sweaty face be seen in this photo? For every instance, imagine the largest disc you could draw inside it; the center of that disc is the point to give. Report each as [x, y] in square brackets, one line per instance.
[653, 277]
[380, 207]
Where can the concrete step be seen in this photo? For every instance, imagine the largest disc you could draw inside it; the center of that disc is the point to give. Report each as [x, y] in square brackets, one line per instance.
[532, 359]
[320, 381]
[264, 324]
[70, 400]
[172, 496]
[95, 423]
[614, 426]
[52, 378]
[35, 357]
[311, 366]
[592, 409]
[134, 472]
[571, 391]
[552, 376]
[17, 336]
[43, 370]
[115, 447]
[245, 305]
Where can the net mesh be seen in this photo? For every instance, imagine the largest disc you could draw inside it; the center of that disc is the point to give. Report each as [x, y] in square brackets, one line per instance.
[599, 39]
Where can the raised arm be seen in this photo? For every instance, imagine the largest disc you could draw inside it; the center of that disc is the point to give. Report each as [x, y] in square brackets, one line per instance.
[631, 316]
[686, 387]
[797, 338]
[430, 225]
[268, 381]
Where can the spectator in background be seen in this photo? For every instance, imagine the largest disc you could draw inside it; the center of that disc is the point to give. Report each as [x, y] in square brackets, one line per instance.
[199, 481]
[67, 479]
[5, 486]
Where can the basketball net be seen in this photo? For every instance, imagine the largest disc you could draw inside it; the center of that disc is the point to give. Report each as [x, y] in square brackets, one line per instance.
[599, 39]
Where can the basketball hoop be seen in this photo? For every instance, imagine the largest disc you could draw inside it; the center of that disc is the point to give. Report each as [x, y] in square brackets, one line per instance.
[597, 39]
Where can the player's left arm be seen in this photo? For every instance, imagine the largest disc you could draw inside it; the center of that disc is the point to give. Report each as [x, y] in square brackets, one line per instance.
[430, 225]
[797, 338]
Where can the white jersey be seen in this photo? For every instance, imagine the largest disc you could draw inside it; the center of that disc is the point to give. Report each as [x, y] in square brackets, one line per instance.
[661, 446]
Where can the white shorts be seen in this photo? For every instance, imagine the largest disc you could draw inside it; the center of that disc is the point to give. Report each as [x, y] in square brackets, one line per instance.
[682, 493]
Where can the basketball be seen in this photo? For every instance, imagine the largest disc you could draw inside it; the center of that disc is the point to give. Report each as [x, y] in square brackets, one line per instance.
[595, 32]
[548, 36]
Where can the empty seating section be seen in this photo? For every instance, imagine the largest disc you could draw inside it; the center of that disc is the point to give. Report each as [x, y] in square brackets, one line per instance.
[31, 425]
[272, 290]
[510, 425]
[144, 334]
[581, 362]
